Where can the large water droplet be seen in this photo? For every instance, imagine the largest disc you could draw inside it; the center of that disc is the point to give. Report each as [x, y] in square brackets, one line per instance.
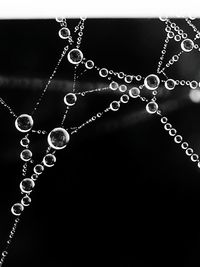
[26, 155]
[64, 33]
[187, 45]
[24, 123]
[152, 107]
[152, 82]
[70, 99]
[27, 185]
[75, 56]
[58, 138]
[49, 160]
[38, 169]
[17, 209]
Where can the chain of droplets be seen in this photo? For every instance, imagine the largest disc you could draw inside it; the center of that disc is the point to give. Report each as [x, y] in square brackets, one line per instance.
[28, 184]
[178, 139]
[9, 241]
[50, 79]
[173, 31]
[3, 103]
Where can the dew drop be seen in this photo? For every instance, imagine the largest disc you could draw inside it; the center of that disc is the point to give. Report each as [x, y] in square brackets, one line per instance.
[151, 82]
[114, 106]
[170, 84]
[184, 145]
[194, 157]
[103, 72]
[64, 33]
[24, 123]
[27, 185]
[189, 151]
[152, 107]
[178, 139]
[58, 138]
[17, 209]
[187, 45]
[75, 56]
[26, 200]
[70, 99]
[124, 99]
[122, 88]
[134, 92]
[128, 79]
[38, 169]
[24, 142]
[89, 64]
[26, 155]
[193, 84]
[49, 160]
[113, 86]
[34, 176]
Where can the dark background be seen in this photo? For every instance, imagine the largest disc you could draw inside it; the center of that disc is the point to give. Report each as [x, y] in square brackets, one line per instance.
[122, 193]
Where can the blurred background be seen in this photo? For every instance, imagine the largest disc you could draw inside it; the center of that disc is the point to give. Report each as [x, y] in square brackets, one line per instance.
[122, 193]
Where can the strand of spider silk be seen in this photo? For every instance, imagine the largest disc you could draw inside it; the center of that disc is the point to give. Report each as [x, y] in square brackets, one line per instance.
[178, 139]
[163, 52]
[80, 34]
[92, 91]
[92, 119]
[192, 25]
[4, 254]
[64, 116]
[74, 81]
[50, 79]
[3, 103]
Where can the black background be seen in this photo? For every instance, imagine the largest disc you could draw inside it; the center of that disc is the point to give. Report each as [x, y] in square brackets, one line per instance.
[122, 193]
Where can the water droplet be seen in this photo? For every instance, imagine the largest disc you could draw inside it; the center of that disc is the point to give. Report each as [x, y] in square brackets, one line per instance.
[193, 84]
[194, 157]
[58, 138]
[189, 151]
[172, 132]
[124, 98]
[134, 92]
[114, 106]
[151, 82]
[177, 37]
[34, 176]
[49, 160]
[27, 185]
[24, 123]
[167, 126]
[113, 85]
[26, 200]
[187, 45]
[128, 79]
[17, 210]
[64, 33]
[59, 19]
[164, 120]
[184, 145]
[152, 107]
[170, 84]
[75, 56]
[120, 75]
[24, 142]
[178, 139]
[38, 169]
[89, 64]
[122, 88]
[103, 72]
[70, 99]
[26, 155]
